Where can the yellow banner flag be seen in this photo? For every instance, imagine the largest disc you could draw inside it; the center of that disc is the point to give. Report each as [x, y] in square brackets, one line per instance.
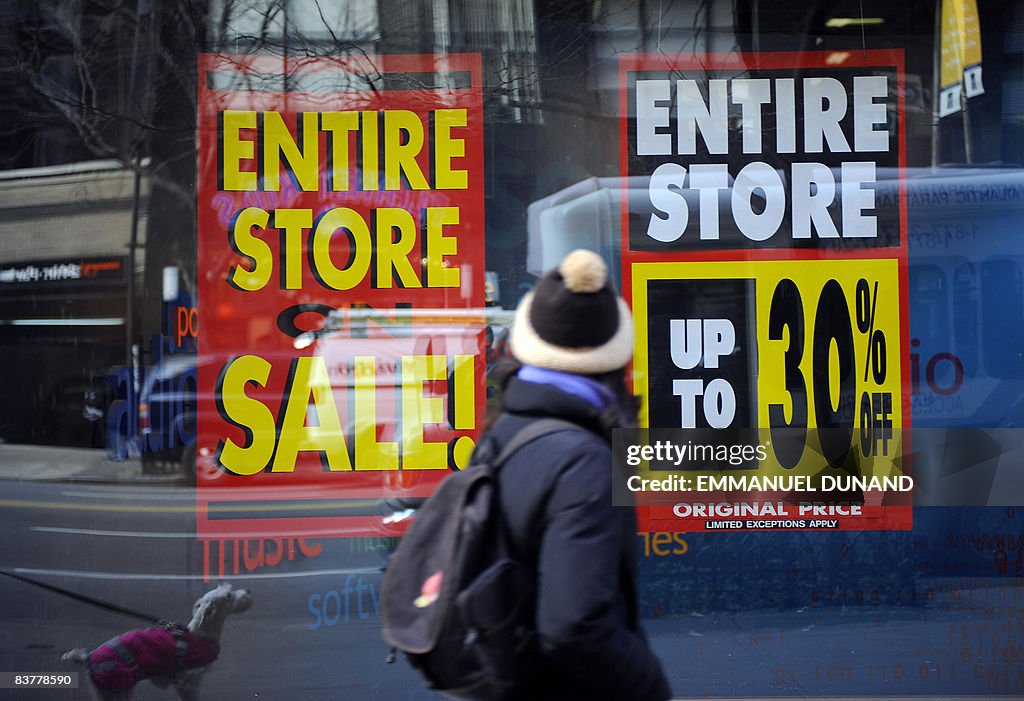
[960, 71]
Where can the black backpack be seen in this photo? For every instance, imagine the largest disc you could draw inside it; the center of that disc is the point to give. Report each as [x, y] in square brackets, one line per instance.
[454, 598]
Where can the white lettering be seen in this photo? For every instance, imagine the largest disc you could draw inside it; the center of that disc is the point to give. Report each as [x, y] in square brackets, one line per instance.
[650, 116]
[712, 117]
[666, 193]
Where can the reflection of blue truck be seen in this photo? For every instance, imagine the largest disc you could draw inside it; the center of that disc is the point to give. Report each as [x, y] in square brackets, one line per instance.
[152, 409]
[167, 415]
[967, 298]
[966, 301]
[967, 369]
[967, 335]
[966, 366]
[163, 429]
[153, 415]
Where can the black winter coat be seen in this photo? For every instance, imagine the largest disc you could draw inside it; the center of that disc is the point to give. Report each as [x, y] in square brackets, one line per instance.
[556, 496]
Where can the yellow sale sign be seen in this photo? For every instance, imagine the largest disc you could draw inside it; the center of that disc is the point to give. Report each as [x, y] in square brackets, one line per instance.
[809, 352]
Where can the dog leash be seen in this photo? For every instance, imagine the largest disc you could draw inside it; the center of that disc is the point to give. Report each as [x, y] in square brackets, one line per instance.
[98, 603]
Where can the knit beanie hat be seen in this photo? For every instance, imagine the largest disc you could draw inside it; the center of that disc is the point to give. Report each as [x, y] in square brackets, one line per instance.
[573, 320]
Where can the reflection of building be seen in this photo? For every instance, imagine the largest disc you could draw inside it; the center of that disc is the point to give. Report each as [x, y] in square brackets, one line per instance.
[64, 238]
[503, 33]
[117, 80]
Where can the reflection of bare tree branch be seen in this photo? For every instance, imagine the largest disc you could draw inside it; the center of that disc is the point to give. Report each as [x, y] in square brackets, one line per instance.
[161, 175]
[327, 25]
[95, 95]
[79, 57]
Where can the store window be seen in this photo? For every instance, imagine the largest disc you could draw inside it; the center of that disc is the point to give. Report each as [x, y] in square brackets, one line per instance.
[258, 263]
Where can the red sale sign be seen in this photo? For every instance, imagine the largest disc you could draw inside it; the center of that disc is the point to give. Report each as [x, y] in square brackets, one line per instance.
[764, 251]
[341, 285]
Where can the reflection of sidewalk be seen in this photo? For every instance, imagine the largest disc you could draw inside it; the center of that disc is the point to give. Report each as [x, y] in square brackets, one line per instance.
[949, 642]
[40, 462]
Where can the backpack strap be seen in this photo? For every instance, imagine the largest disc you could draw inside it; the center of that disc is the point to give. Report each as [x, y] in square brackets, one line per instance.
[542, 427]
[526, 434]
[530, 432]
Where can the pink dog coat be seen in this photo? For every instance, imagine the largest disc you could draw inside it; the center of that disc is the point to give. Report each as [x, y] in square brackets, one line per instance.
[123, 661]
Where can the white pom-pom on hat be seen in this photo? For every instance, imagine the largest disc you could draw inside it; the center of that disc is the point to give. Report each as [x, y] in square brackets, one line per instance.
[583, 271]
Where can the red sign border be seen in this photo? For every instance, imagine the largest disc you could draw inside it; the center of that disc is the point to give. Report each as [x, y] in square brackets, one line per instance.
[653, 518]
[359, 485]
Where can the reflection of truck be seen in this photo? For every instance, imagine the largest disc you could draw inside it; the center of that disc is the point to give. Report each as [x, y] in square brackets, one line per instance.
[409, 384]
[967, 298]
[965, 283]
[167, 415]
[406, 389]
[359, 348]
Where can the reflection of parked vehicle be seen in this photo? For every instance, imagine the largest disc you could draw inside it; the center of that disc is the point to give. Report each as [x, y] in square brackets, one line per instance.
[415, 404]
[173, 436]
[167, 416]
[395, 392]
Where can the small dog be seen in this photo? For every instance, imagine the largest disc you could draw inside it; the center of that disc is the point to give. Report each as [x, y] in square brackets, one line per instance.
[172, 655]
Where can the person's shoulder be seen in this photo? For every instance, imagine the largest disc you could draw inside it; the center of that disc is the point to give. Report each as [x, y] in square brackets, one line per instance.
[567, 444]
[575, 436]
[576, 453]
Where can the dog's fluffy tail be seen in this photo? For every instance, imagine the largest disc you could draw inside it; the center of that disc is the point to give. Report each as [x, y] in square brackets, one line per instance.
[78, 656]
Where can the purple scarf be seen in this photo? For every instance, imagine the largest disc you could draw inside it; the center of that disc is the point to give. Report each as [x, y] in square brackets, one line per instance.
[591, 391]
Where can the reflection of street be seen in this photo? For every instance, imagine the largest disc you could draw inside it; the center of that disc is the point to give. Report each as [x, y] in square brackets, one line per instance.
[313, 631]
